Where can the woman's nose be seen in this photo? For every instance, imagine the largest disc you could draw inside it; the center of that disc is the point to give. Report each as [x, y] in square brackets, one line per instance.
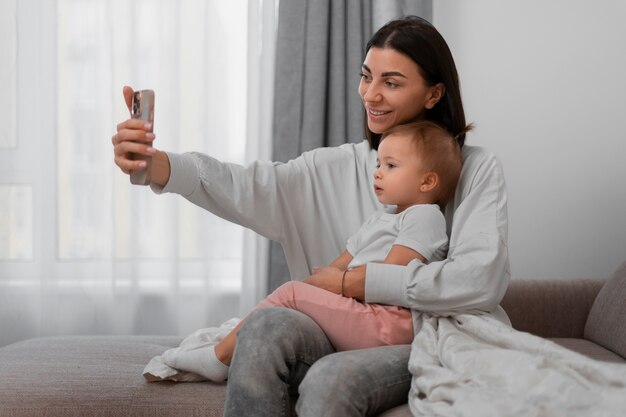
[371, 93]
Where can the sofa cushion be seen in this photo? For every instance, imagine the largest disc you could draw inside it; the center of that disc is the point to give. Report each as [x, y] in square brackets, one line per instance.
[606, 324]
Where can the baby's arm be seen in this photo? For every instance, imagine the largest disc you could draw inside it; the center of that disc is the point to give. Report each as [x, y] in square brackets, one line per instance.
[398, 255]
[402, 255]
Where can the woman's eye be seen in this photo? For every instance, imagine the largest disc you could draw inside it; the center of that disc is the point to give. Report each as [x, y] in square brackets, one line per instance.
[364, 76]
[391, 84]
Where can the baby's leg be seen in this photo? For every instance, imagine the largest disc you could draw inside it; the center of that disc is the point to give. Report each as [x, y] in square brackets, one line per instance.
[348, 323]
[211, 362]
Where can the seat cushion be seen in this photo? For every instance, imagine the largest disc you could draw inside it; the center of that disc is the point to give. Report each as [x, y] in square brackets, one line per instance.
[606, 324]
[589, 349]
[399, 411]
[97, 376]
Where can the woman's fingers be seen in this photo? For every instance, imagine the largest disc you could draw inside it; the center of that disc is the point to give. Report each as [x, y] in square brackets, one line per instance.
[127, 165]
[134, 124]
[122, 159]
[127, 142]
[124, 148]
[126, 135]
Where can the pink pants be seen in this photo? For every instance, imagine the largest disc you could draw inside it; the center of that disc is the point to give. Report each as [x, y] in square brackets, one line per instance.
[348, 323]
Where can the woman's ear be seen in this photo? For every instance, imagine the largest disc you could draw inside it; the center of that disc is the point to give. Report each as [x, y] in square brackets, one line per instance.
[430, 180]
[436, 94]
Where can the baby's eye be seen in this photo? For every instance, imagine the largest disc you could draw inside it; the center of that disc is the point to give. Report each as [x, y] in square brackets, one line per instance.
[390, 166]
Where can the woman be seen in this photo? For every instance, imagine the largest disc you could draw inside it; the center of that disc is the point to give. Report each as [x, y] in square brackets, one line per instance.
[313, 203]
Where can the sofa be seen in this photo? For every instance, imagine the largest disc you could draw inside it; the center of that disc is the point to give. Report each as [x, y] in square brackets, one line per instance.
[102, 375]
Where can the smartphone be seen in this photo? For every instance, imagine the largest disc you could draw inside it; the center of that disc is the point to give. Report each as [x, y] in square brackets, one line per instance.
[142, 108]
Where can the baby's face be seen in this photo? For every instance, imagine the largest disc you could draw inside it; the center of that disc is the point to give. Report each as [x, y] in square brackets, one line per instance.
[400, 172]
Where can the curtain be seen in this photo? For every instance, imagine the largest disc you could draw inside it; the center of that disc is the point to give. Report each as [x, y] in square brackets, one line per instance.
[320, 49]
[81, 250]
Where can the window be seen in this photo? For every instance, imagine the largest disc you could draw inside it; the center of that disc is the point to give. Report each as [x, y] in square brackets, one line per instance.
[82, 249]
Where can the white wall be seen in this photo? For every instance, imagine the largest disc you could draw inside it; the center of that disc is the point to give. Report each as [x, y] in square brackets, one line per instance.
[545, 84]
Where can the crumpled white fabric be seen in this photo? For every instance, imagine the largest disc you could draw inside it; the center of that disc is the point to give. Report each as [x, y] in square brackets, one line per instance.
[157, 370]
[476, 366]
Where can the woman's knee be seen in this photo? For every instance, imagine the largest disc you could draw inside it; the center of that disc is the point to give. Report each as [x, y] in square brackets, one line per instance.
[261, 322]
[280, 325]
[356, 383]
[285, 340]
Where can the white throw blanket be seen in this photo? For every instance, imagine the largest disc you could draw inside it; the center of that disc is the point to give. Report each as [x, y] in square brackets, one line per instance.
[474, 365]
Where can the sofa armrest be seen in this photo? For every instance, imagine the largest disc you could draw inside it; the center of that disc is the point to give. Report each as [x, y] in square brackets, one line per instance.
[551, 307]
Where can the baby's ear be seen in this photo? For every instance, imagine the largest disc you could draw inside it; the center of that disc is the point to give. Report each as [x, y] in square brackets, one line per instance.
[430, 180]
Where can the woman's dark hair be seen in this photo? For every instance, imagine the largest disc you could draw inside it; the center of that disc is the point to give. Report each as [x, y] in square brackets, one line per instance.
[419, 40]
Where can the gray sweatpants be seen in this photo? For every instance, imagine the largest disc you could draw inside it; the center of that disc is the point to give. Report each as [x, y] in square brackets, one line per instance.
[283, 355]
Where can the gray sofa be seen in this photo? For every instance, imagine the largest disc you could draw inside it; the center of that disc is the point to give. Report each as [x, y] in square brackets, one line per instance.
[102, 375]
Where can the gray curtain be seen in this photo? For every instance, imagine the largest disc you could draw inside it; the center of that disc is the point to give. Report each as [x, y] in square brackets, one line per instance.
[319, 52]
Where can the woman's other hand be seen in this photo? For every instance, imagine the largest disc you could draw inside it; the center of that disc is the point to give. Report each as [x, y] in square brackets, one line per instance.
[352, 284]
[134, 136]
[326, 277]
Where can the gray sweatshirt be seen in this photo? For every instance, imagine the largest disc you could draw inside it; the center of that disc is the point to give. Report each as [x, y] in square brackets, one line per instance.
[314, 203]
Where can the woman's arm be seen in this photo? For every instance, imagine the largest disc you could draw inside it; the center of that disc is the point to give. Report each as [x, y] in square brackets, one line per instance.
[329, 277]
[294, 203]
[160, 173]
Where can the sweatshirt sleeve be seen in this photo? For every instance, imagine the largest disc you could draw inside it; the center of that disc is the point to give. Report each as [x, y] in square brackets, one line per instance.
[475, 275]
[243, 195]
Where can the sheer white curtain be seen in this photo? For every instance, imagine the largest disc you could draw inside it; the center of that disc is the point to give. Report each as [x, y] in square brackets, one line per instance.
[81, 250]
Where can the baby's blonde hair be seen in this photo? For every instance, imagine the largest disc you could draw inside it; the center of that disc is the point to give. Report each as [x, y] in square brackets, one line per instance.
[438, 151]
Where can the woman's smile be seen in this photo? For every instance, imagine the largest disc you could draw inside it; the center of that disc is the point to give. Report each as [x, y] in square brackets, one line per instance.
[377, 115]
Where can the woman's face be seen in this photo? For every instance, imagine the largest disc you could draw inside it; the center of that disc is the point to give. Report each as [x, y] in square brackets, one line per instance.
[393, 90]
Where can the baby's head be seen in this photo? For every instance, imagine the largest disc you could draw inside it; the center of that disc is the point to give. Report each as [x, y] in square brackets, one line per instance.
[439, 159]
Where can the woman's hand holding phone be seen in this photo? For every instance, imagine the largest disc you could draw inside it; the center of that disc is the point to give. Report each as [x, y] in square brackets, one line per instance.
[133, 151]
